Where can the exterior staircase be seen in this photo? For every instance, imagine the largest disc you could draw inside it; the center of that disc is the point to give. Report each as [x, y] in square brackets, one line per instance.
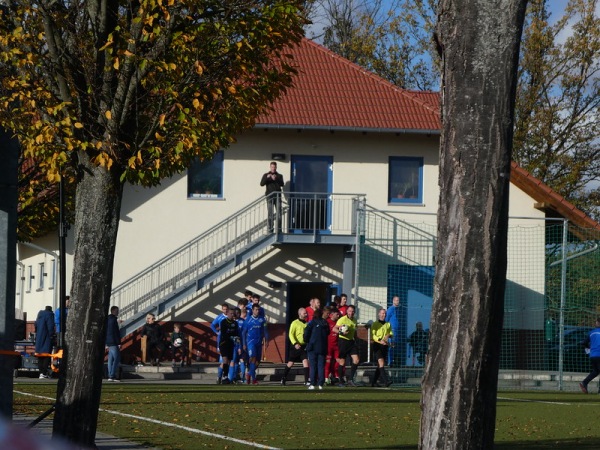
[309, 218]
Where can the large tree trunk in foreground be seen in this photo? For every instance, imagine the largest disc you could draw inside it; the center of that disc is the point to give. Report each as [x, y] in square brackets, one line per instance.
[97, 209]
[479, 42]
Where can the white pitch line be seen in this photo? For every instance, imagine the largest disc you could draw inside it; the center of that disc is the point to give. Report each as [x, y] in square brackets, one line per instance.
[534, 401]
[172, 425]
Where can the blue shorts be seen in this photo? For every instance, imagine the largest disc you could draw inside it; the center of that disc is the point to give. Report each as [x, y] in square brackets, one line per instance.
[255, 350]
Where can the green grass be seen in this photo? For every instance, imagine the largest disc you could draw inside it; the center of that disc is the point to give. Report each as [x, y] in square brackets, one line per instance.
[294, 418]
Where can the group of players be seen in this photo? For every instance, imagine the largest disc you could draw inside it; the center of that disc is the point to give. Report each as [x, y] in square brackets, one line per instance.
[242, 334]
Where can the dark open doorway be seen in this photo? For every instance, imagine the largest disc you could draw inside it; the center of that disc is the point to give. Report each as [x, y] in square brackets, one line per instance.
[298, 296]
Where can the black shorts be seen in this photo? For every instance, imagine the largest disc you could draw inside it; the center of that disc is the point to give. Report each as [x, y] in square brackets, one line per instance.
[297, 354]
[226, 349]
[380, 351]
[347, 348]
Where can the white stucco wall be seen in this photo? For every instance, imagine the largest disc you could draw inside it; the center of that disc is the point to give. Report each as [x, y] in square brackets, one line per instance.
[155, 222]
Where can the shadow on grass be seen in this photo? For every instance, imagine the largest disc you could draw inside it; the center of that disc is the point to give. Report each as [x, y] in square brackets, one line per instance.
[563, 444]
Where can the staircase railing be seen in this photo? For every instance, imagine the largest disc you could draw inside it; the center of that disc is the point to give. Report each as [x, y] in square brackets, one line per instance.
[399, 239]
[222, 243]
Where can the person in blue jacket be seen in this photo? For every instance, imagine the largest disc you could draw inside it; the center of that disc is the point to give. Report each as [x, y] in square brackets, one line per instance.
[592, 342]
[44, 338]
[315, 336]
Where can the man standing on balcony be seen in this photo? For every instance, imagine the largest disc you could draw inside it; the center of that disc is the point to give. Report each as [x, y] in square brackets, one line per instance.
[273, 182]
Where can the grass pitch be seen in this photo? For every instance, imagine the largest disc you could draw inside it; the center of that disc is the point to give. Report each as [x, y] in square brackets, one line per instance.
[188, 416]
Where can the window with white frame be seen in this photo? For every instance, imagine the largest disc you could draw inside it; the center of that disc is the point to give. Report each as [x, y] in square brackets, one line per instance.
[30, 278]
[52, 274]
[205, 178]
[41, 276]
[405, 180]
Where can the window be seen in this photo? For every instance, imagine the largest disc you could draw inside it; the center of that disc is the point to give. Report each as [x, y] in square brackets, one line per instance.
[405, 180]
[205, 178]
[52, 276]
[30, 278]
[41, 276]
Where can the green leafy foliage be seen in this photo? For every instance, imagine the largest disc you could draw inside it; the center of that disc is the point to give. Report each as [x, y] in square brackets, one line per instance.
[141, 87]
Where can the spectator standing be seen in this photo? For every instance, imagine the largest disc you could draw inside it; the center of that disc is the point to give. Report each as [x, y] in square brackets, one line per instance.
[419, 342]
[113, 344]
[44, 337]
[58, 313]
[381, 332]
[297, 351]
[273, 182]
[592, 342]
[315, 336]
[393, 318]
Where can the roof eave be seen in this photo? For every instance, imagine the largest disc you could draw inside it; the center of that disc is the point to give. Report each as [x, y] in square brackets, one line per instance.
[271, 126]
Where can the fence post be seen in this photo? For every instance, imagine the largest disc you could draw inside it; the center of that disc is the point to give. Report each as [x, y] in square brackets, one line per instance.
[563, 293]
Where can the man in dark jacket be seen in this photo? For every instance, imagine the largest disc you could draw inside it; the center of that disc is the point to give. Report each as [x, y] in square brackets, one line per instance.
[44, 336]
[113, 344]
[273, 182]
[315, 336]
[155, 343]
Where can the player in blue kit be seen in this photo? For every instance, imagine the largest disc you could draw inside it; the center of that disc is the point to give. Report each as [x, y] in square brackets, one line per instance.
[215, 326]
[254, 334]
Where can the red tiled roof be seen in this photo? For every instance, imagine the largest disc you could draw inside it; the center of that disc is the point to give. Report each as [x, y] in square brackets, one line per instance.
[549, 199]
[332, 92]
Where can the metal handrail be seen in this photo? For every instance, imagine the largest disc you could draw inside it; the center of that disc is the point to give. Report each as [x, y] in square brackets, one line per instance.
[324, 213]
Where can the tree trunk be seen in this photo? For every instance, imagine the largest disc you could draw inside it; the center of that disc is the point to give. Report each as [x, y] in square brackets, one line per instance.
[97, 210]
[479, 44]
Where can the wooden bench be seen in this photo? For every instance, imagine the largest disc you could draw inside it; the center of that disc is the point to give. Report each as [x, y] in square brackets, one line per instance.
[187, 355]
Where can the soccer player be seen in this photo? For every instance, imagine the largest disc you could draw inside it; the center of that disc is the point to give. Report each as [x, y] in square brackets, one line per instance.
[346, 329]
[592, 342]
[333, 350]
[239, 357]
[228, 337]
[343, 304]
[215, 326]
[254, 335]
[381, 332]
[298, 346]
[255, 300]
[314, 304]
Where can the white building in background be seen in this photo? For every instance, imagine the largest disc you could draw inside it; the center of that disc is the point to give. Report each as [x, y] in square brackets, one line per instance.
[342, 137]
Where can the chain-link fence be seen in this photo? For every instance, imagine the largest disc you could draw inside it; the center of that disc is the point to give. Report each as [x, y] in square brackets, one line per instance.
[552, 290]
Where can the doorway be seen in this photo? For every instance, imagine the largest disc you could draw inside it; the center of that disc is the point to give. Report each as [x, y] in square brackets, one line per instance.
[298, 296]
[311, 185]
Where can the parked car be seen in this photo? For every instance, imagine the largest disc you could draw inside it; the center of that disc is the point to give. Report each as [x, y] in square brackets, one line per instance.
[575, 359]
